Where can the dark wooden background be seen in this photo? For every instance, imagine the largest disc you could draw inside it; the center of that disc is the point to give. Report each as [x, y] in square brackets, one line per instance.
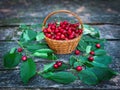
[103, 14]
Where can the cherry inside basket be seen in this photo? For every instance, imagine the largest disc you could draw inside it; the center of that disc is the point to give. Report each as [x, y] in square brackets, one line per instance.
[63, 30]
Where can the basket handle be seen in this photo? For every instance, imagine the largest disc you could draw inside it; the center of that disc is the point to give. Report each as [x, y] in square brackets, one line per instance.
[62, 11]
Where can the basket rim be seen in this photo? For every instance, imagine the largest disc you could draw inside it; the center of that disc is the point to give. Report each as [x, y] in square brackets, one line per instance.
[64, 40]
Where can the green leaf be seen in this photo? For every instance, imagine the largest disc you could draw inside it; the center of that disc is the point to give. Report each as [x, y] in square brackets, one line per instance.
[12, 50]
[88, 77]
[82, 45]
[103, 73]
[99, 52]
[27, 70]
[63, 67]
[88, 49]
[60, 77]
[97, 64]
[23, 27]
[93, 40]
[48, 67]
[49, 56]
[46, 75]
[72, 60]
[12, 59]
[82, 59]
[52, 56]
[28, 35]
[103, 59]
[32, 47]
[88, 64]
[77, 64]
[32, 34]
[40, 36]
[44, 51]
[91, 31]
[41, 55]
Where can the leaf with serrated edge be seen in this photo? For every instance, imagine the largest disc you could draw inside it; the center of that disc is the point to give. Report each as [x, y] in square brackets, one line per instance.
[99, 52]
[40, 36]
[103, 59]
[60, 77]
[103, 73]
[27, 70]
[88, 77]
[72, 60]
[44, 51]
[88, 49]
[12, 60]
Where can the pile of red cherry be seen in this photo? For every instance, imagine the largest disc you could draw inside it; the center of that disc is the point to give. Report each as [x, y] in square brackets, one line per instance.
[63, 30]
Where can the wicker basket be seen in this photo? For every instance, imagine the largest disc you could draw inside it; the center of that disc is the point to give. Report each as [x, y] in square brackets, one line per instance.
[62, 46]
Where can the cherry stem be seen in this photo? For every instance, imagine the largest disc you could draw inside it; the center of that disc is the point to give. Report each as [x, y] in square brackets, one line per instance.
[26, 51]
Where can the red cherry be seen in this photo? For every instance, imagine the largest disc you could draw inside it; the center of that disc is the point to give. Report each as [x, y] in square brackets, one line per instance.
[24, 58]
[64, 32]
[55, 66]
[80, 31]
[58, 34]
[62, 36]
[59, 27]
[76, 24]
[71, 36]
[65, 22]
[59, 63]
[73, 28]
[61, 30]
[66, 38]
[79, 68]
[49, 30]
[53, 30]
[56, 30]
[61, 23]
[67, 28]
[77, 52]
[63, 26]
[90, 58]
[98, 45]
[77, 31]
[19, 49]
[49, 24]
[92, 52]
[53, 27]
[53, 37]
[69, 32]
[73, 33]
[71, 25]
[76, 35]
[48, 35]
[45, 30]
[57, 37]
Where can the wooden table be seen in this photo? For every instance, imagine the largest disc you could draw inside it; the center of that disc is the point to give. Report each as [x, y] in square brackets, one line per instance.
[101, 14]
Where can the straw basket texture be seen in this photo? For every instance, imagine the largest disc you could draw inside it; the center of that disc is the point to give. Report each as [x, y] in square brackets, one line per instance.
[62, 46]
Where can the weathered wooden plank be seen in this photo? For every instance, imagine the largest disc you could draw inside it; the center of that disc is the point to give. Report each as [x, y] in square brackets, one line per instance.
[31, 11]
[95, 19]
[109, 31]
[12, 79]
[106, 31]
